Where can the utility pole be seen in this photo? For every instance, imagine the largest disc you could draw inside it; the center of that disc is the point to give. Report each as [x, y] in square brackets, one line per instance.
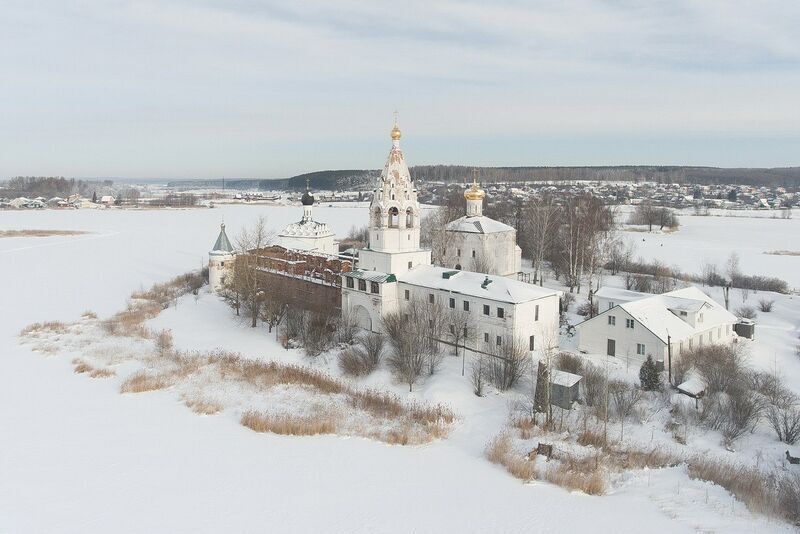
[669, 358]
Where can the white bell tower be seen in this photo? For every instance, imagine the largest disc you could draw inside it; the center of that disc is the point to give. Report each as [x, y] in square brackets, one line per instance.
[394, 218]
[220, 260]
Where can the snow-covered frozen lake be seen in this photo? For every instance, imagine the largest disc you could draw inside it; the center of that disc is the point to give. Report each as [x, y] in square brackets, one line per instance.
[76, 456]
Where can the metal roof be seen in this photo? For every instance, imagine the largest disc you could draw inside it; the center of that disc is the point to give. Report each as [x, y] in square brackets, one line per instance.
[223, 244]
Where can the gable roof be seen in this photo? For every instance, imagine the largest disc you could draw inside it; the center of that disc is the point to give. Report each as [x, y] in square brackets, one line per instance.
[477, 225]
[655, 313]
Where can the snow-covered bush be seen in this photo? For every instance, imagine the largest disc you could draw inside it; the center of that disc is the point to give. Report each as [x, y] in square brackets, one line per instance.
[364, 356]
[785, 421]
[571, 363]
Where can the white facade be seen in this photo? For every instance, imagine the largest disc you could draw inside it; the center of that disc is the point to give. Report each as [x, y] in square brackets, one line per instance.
[687, 318]
[220, 260]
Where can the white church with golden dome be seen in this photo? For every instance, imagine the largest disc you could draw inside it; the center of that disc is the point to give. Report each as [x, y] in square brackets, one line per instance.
[394, 269]
[477, 243]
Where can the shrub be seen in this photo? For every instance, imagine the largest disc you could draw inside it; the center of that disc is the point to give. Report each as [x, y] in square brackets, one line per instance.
[734, 412]
[649, 375]
[765, 305]
[594, 385]
[509, 362]
[722, 366]
[584, 310]
[143, 381]
[478, 376]
[746, 312]
[289, 424]
[570, 363]
[164, 342]
[364, 357]
[785, 421]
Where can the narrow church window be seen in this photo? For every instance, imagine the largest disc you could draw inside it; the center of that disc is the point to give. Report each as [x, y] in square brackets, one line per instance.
[374, 288]
[362, 285]
[473, 253]
[536, 313]
[407, 294]
[394, 215]
[430, 298]
[458, 252]
[486, 337]
[409, 218]
[486, 309]
[531, 343]
[499, 341]
[453, 329]
[452, 303]
[350, 283]
[409, 265]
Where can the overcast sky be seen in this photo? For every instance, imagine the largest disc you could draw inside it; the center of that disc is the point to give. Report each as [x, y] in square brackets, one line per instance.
[193, 88]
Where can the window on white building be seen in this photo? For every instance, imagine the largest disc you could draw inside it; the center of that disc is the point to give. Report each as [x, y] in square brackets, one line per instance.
[430, 298]
[486, 309]
[350, 283]
[531, 343]
[374, 287]
[407, 294]
[499, 340]
[501, 312]
[628, 323]
[612, 320]
[453, 303]
[536, 313]
[453, 329]
[486, 337]
[466, 305]
[362, 285]
[640, 349]
[473, 253]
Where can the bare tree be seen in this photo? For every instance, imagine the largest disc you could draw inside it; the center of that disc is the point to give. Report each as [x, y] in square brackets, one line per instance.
[248, 244]
[540, 227]
[408, 355]
[624, 398]
[478, 376]
[462, 330]
[510, 361]
[433, 233]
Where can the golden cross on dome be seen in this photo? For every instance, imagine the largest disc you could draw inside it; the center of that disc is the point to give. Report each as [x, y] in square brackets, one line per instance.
[475, 176]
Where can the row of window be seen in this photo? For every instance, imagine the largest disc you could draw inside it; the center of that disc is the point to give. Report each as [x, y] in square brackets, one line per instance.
[487, 310]
[374, 287]
[612, 320]
[458, 253]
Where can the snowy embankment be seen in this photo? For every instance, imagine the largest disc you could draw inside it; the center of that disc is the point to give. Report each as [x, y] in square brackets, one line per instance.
[102, 461]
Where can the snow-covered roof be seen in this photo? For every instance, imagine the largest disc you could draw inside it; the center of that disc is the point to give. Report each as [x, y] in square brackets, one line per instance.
[306, 228]
[694, 385]
[563, 378]
[475, 284]
[222, 244]
[477, 225]
[655, 313]
[370, 276]
[619, 295]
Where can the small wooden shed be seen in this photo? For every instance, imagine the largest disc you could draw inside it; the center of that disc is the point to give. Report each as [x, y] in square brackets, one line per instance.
[745, 328]
[564, 388]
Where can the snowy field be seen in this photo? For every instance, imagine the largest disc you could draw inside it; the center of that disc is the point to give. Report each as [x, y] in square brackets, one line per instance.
[712, 239]
[77, 456]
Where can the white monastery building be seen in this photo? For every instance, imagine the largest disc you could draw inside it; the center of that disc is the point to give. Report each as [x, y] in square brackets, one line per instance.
[220, 260]
[307, 234]
[394, 270]
[634, 325]
[480, 244]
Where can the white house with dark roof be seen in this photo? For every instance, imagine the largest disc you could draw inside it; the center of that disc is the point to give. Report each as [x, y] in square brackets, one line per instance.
[685, 319]
[394, 270]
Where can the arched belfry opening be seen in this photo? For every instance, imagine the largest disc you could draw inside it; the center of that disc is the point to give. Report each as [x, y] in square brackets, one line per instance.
[394, 217]
[409, 218]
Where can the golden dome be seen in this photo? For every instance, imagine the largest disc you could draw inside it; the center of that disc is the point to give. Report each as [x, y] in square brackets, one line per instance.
[474, 192]
[396, 133]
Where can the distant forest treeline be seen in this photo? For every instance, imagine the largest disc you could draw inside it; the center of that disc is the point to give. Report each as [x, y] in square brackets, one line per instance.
[359, 179]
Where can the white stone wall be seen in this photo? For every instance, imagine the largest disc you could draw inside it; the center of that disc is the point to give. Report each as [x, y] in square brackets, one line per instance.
[499, 250]
[392, 263]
